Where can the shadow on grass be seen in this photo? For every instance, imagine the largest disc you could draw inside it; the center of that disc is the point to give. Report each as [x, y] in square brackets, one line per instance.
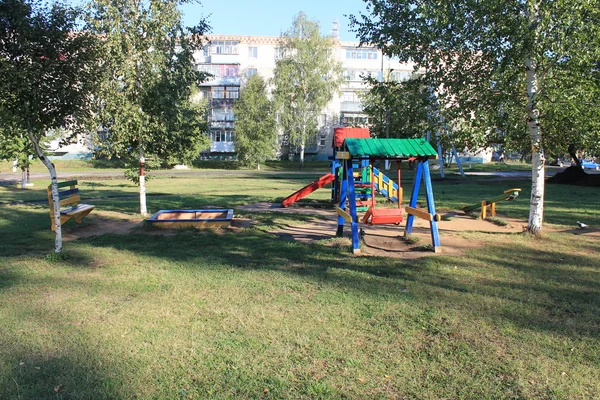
[49, 368]
[557, 297]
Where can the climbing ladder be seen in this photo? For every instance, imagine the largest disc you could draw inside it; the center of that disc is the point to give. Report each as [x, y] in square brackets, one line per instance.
[387, 187]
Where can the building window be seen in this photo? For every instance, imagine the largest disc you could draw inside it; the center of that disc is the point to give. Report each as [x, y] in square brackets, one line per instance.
[351, 97]
[253, 52]
[400, 76]
[279, 53]
[224, 47]
[232, 93]
[322, 141]
[222, 114]
[354, 120]
[361, 54]
[218, 92]
[227, 136]
[250, 72]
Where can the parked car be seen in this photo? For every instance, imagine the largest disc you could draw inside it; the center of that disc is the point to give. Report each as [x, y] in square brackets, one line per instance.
[590, 165]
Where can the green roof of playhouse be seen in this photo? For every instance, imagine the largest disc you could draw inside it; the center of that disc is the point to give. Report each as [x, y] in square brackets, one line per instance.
[389, 148]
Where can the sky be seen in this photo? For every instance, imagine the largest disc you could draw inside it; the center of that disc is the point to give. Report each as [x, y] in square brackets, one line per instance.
[271, 17]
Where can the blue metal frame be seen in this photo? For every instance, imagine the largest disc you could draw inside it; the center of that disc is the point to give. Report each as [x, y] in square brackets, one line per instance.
[424, 174]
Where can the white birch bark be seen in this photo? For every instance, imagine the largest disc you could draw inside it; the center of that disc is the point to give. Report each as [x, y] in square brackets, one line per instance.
[23, 179]
[536, 204]
[55, 199]
[143, 209]
[303, 146]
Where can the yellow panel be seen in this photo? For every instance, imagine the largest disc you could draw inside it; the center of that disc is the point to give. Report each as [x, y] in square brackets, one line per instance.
[70, 200]
[342, 155]
[343, 213]
[418, 212]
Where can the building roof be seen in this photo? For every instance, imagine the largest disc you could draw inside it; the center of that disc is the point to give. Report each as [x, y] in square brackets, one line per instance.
[339, 134]
[389, 148]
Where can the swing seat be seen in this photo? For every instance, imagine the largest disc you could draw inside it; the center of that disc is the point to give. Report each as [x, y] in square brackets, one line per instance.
[381, 216]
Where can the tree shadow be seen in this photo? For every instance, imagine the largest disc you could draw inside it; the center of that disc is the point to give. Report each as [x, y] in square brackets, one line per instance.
[541, 288]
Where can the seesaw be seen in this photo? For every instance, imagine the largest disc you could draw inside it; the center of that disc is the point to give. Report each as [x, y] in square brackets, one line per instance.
[508, 195]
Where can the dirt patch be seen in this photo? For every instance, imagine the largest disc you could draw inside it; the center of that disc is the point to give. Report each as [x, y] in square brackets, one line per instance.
[105, 222]
[388, 240]
[102, 222]
[379, 240]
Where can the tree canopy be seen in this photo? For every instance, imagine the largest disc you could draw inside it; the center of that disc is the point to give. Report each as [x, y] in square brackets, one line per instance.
[397, 109]
[305, 79]
[146, 102]
[255, 126]
[518, 72]
[49, 73]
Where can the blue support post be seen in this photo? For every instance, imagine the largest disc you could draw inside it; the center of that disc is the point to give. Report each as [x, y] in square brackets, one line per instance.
[352, 202]
[435, 235]
[413, 198]
[335, 186]
[343, 197]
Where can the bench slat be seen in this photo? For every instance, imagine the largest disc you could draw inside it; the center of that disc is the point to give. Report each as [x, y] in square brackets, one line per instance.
[66, 193]
[69, 200]
[66, 183]
[69, 197]
[77, 209]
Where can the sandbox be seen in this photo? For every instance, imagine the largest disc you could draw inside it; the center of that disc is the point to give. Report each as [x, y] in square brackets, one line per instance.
[212, 218]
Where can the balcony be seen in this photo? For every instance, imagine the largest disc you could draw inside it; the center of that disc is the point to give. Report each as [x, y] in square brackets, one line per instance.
[351, 106]
[222, 103]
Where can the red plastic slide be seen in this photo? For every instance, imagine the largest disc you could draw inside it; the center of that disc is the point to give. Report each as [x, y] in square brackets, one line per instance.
[308, 189]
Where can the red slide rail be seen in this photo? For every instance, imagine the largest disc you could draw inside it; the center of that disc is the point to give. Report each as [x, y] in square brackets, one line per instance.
[308, 189]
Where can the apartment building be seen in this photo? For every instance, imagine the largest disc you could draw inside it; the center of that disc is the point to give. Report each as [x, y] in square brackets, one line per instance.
[231, 59]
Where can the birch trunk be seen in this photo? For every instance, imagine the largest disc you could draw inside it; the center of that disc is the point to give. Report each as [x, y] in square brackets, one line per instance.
[23, 179]
[302, 147]
[536, 204]
[143, 209]
[54, 187]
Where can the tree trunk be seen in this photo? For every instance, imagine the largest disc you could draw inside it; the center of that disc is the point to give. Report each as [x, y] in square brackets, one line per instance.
[573, 155]
[23, 179]
[54, 188]
[536, 205]
[258, 166]
[143, 209]
[302, 146]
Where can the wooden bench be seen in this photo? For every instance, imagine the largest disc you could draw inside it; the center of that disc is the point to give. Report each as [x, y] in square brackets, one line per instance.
[69, 203]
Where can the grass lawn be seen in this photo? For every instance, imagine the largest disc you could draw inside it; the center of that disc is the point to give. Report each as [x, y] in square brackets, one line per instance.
[200, 315]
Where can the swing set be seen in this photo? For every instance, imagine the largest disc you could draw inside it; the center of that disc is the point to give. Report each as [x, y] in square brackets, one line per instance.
[358, 150]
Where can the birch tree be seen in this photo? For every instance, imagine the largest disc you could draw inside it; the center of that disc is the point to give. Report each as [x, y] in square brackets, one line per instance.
[255, 129]
[499, 67]
[49, 72]
[306, 77]
[145, 103]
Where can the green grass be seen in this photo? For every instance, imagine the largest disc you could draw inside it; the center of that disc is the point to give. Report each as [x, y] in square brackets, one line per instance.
[247, 315]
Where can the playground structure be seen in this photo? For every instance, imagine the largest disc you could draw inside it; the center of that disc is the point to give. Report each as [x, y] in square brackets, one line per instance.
[360, 151]
[507, 195]
[213, 218]
[365, 175]
[356, 180]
